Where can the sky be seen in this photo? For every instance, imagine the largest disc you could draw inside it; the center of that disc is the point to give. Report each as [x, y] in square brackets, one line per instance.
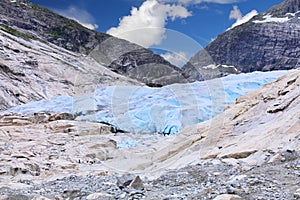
[176, 29]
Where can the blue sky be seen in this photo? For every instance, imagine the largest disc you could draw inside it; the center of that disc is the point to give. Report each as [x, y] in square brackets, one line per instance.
[191, 24]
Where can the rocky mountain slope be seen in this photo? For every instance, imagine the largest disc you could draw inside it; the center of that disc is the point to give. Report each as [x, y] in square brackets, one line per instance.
[24, 19]
[269, 41]
[32, 70]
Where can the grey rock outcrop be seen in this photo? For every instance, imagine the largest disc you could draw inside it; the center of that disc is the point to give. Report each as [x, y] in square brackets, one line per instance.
[136, 62]
[29, 21]
[258, 45]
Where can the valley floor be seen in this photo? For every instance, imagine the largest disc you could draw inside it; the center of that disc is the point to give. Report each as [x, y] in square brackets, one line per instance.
[214, 179]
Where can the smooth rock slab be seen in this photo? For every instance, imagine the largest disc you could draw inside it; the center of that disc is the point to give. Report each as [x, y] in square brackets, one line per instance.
[227, 197]
[102, 196]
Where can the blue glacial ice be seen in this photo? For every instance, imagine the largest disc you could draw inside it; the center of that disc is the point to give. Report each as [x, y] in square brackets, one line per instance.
[168, 109]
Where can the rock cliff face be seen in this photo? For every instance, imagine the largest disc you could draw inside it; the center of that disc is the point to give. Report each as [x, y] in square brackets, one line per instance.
[148, 68]
[24, 19]
[269, 41]
[136, 62]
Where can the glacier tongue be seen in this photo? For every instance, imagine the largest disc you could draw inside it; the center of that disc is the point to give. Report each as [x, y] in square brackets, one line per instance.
[164, 110]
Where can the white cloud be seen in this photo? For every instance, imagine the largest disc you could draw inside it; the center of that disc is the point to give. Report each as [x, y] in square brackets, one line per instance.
[235, 13]
[145, 25]
[89, 26]
[240, 19]
[189, 2]
[177, 59]
[81, 16]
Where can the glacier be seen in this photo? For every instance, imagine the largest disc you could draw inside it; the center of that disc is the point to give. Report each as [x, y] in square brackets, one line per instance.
[141, 109]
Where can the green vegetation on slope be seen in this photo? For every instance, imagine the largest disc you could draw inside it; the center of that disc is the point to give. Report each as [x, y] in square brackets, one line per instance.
[17, 33]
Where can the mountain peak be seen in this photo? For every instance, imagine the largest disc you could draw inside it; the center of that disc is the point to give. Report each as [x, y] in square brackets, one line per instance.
[269, 41]
[287, 6]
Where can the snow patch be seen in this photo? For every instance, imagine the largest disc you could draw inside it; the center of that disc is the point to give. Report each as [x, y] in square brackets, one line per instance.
[217, 66]
[268, 18]
[210, 67]
[293, 14]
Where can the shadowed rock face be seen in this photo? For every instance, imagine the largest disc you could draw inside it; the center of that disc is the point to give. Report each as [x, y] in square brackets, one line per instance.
[137, 63]
[29, 21]
[288, 6]
[148, 68]
[43, 23]
[254, 46]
